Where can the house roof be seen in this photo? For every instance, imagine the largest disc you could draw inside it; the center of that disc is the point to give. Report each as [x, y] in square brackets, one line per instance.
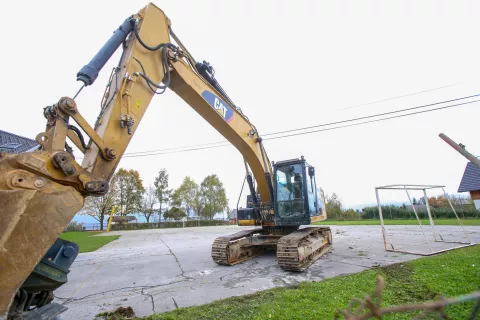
[470, 179]
[13, 143]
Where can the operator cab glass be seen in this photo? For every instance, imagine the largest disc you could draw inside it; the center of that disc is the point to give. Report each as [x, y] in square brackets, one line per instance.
[296, 196]
[290, 191]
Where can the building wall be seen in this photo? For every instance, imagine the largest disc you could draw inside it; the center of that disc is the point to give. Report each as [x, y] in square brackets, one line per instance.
[475, 195]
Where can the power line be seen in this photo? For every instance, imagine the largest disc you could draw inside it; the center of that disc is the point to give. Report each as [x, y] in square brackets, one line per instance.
[176, 148]
[305, 128]
[314, 131]
[178, 151]
[372, 116]
[398, 97]
[371, 121]
[320, 125]
[169, 150]
[225, 143]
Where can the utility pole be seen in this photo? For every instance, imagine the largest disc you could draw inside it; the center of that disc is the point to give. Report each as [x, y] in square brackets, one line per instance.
[461, 149]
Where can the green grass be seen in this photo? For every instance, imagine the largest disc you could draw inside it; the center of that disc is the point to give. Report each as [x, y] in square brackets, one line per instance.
[449, 274]
[87, 241]
[440, 222]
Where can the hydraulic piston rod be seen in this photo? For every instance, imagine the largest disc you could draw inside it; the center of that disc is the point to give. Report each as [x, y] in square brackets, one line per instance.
[89, 73]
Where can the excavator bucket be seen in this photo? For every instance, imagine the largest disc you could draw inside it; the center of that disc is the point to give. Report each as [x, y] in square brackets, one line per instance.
[33, 212]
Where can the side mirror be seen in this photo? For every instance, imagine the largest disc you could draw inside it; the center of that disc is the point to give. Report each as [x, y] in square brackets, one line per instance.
[311, 171]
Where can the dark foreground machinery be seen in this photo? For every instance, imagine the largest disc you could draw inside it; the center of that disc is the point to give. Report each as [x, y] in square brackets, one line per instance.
[284, 196]
[33, 299]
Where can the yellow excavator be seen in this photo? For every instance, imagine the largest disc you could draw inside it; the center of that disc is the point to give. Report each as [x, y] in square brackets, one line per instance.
[41, 191]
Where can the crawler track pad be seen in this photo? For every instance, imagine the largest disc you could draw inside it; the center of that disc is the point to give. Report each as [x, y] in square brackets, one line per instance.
[239, 247]
[298, 250]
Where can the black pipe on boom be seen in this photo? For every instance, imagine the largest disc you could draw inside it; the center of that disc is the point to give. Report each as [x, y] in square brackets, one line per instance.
[89, 73]
[252, 189]
[254, 196]
[207, 72]
[268, 177]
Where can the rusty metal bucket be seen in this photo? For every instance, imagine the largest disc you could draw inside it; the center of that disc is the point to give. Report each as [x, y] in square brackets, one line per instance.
[33, 212]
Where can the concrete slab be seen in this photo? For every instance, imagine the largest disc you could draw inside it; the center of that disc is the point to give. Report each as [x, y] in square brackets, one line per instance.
[162, 269]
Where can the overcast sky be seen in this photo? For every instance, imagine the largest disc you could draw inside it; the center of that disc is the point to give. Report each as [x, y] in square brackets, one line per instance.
[287, 64]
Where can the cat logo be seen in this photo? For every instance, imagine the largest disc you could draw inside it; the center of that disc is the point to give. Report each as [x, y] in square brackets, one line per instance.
[220, 107]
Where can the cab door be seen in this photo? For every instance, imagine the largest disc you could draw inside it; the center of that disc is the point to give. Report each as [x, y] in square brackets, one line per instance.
[316, 203]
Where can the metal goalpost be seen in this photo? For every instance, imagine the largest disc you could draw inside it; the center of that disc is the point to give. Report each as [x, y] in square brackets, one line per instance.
[437, 237]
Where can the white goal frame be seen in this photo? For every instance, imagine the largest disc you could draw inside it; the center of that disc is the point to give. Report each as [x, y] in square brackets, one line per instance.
[387, 241]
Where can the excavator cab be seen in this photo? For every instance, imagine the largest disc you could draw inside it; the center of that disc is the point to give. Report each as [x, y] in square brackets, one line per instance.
[298, 201]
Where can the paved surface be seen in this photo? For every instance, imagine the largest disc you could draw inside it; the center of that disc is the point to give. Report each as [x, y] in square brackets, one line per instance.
[159, 270]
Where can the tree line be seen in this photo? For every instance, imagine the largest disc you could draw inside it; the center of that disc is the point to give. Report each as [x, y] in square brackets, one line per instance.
[129, 196]
[439, 208]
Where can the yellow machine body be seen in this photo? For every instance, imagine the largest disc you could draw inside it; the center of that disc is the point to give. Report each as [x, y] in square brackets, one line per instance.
[40, 192]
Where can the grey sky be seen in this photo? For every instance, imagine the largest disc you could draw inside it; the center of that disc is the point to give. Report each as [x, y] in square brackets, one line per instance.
[287, 64]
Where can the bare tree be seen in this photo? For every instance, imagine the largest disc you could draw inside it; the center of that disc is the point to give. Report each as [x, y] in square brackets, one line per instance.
[149, 201]
[98, 207]
[371, 306]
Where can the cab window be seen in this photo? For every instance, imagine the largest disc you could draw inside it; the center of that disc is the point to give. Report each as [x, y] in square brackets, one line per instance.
[290, 190]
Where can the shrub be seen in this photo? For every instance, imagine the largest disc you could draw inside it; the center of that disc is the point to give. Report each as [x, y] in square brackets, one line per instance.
[74, 226]
[168, 224]
[406, 212]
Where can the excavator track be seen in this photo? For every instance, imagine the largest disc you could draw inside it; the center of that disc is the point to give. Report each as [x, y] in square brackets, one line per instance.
[298, 250]
[236, 248]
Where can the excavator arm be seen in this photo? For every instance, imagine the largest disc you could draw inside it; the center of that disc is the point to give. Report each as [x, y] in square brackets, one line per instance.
[41, 191]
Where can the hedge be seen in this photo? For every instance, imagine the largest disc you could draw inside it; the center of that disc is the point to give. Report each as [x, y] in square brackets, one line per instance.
[394, 212]
[167, 224]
